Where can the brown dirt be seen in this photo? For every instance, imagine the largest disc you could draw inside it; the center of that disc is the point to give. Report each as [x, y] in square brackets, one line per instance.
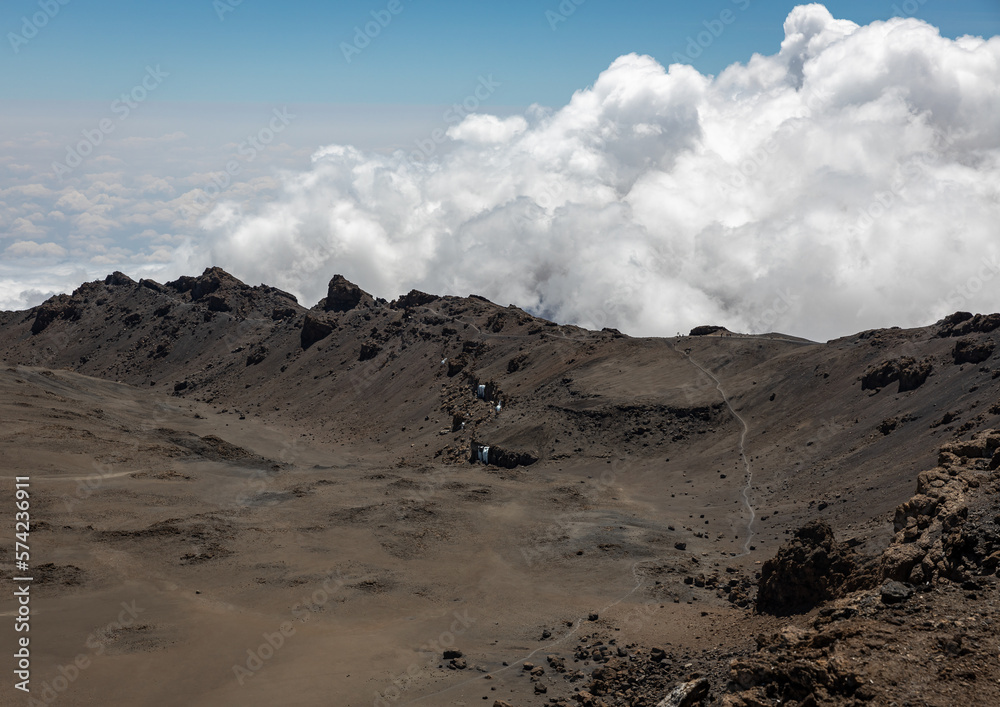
[191, 457]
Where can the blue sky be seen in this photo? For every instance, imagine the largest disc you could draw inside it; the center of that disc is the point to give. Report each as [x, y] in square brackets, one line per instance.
[264, 51]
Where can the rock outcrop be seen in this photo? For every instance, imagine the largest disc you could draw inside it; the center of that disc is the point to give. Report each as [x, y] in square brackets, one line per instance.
[930, 539]
[705, 330]
[806, 572]
[964, 323]
[910, 373]
[342, 295]
[971, 351]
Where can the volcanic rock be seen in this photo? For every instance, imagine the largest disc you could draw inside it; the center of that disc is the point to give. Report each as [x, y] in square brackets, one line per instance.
[969, 351]
[342, 295]
[807, 571]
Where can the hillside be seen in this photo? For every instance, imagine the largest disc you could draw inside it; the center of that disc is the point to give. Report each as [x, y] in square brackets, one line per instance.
[234, 461]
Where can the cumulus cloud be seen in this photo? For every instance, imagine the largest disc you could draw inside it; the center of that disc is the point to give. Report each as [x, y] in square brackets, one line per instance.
[31, 249]
[851, 180]
[487, 129]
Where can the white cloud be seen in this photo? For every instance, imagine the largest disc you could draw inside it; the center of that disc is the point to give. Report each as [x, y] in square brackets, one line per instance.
[487, 129]
[849, 181]
[31, 249]
[73, 200]
[25, 227]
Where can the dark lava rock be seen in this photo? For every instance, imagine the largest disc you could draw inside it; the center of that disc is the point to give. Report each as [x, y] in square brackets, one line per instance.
[369, 350]
[505, 458]
[450, 654]
[257, 354]
[58, 307]
[217, 304]
[118, 279]
[283, 313]
[910, 373]
[413, 298]
[964, 323]
[457, 365]
[969, 351]
[895, 592]
[913, 374]
[149, 285]
[805, 572]
[205, 284]
[314, 329]
[706, 330]
[342, 295]
[514, 365]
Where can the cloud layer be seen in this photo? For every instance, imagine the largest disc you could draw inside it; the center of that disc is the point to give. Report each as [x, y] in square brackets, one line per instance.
[849, 181]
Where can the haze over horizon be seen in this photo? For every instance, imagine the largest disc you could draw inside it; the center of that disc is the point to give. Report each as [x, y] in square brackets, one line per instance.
[844, 180]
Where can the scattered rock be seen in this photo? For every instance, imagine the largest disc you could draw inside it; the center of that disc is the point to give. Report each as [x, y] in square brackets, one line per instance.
[893, 592]
[369, 350]
[686, 694]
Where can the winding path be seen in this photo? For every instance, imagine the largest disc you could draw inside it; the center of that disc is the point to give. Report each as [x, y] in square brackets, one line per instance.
[743, 455]
[638, 580]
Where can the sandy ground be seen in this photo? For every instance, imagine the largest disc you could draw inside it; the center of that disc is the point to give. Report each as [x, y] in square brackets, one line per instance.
[170, 567]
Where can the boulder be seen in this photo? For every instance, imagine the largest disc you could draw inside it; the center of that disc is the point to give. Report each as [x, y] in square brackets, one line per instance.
[805, 572]
[314, 329]
[413, 298]
[686, 694]
[706, 330]
[893, 592]
[342, 295]
[910, 373]
[969, 351]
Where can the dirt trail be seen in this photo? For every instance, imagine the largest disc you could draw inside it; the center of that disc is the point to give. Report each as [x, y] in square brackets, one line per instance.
[746, 461]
